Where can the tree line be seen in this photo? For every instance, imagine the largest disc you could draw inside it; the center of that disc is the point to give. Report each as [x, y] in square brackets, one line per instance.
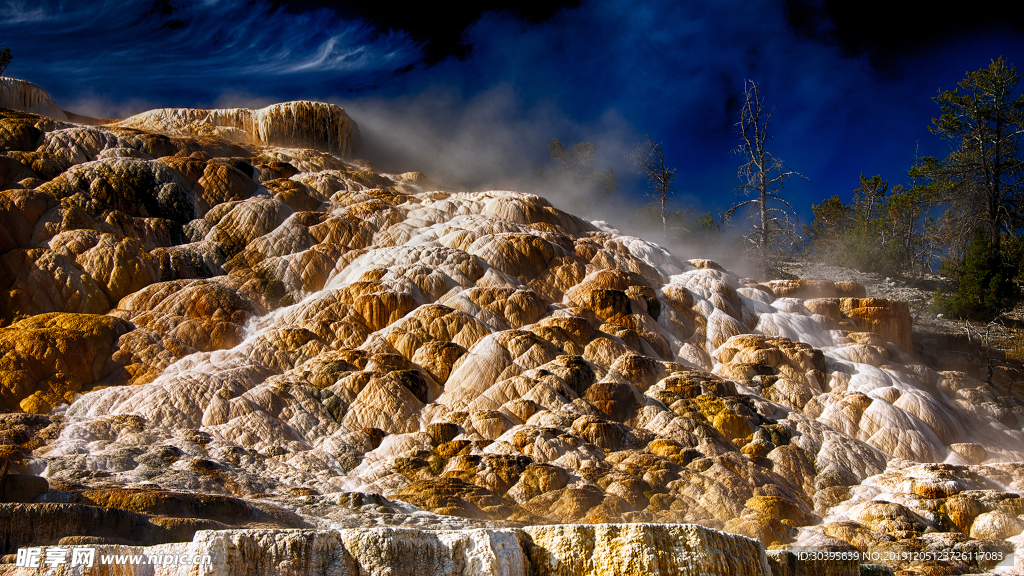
[961, 216]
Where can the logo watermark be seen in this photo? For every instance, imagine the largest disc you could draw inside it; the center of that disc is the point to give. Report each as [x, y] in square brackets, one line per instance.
[86, 556]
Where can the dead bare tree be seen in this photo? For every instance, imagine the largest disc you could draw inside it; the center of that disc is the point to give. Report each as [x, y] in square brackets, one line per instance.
[650, 159]
[763, 175]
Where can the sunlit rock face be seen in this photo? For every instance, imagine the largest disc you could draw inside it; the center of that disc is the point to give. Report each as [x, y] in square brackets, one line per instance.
[598, 550]
[300, 124]
[18, 94]
[187, 308]
[936, 510]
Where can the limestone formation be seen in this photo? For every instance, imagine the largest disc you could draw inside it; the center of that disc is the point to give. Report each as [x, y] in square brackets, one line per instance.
[290, 125]
[640, 549]
[604, 549]
[214, 319]
[48, 359]
[25, 96]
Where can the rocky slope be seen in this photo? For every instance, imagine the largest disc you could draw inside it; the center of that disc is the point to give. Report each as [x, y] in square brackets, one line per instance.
[208, 326]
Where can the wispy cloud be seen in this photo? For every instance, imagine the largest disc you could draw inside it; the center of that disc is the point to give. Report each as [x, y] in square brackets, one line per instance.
[184, 52]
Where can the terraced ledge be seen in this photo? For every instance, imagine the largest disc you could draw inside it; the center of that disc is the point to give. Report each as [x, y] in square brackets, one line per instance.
[559, 550]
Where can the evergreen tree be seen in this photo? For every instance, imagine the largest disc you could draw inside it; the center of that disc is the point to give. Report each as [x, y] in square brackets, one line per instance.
[984, 283]
[881, 230]
[983, 118]
[5, 59]
[982, 183]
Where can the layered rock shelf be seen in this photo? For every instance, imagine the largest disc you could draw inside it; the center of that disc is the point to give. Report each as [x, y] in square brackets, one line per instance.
[590, 550]
[221, 326]
[301, 124]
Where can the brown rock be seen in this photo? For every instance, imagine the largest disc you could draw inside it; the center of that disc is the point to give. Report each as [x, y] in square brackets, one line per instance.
[887, 517]
[26, 524]
[972, 453]
[39, 280]
[23, 487]
[794, 464]
[827, 497]
[142, 188]
[53, 356]
[223, 180]
[538, 479]
[638, 369]
[827, 307]
[442, 432]
[200, 299]
[295, 194]
[996, 525]
[804, 289]
[615, 400]
[45, 164]
[223, 509]
[566, 505]
[119, 265]
[887, 318]
[19, 212]
[611, 436]
[385, 404]
[18, 132]
[854, 534]
[455, 497]
[851, 290]
[760, 527]
[779, 508]
[273, 169]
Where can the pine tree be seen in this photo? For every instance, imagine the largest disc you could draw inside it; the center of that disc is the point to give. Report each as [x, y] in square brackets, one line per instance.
[981, 177]
[5, 59]
[880, 230]
[984, 283]
[981, 183]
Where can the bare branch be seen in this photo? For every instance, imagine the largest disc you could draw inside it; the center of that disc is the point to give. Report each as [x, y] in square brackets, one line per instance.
[650, 160]
[764, 175]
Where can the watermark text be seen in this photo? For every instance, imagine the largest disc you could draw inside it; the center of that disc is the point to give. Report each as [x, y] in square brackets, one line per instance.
[87, 556]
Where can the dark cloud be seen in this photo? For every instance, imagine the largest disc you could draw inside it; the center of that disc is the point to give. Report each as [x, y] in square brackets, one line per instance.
[895, 36]
[439, 28]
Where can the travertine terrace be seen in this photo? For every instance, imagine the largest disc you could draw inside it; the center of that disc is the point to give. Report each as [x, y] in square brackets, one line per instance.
[224, 322]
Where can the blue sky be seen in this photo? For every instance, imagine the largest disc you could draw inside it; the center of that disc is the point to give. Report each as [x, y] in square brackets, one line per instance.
[472, 99]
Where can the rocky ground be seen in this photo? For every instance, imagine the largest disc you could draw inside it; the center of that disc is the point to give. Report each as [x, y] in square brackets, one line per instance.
[918, 293]
[999, 343]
